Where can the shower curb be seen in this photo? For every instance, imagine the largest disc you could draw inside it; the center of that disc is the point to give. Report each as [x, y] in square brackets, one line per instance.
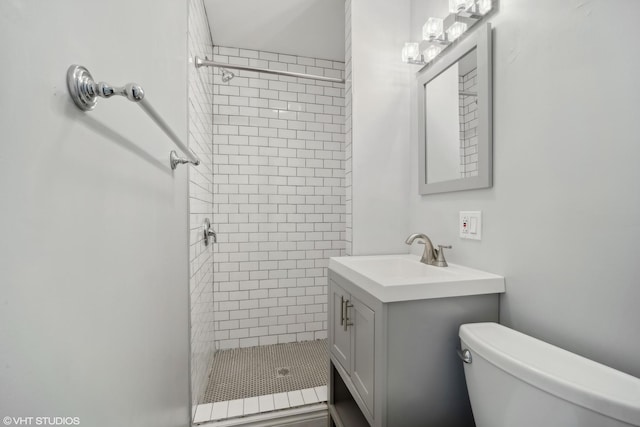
[285, 418]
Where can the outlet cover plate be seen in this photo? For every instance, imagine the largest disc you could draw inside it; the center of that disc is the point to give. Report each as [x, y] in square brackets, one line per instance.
[470, 225]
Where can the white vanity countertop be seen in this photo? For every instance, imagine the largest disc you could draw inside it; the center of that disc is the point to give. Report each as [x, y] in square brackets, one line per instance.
[392, 278]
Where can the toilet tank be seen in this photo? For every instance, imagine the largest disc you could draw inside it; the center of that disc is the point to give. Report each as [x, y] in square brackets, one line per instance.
[516, 380]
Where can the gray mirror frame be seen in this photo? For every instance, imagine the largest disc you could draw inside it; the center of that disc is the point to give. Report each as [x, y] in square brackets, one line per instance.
[480, 39]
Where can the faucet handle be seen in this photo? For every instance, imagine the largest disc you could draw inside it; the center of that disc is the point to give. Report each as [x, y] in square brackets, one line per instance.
[440, 261]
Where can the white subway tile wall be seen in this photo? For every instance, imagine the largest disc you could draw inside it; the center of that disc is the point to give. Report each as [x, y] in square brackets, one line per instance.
[200, 201]
[468, 126]
[279, 197]
[347, 128]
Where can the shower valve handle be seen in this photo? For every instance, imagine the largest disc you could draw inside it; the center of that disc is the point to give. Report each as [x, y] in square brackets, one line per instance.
[209, 232]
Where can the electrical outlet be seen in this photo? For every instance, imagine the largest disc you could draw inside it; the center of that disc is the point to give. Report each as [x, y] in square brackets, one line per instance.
[471, 225]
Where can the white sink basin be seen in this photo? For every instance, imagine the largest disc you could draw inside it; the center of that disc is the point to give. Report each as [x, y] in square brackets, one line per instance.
[392, 278]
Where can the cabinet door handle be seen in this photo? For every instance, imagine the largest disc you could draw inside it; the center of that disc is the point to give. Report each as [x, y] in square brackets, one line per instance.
[347, 305]
[341, 310]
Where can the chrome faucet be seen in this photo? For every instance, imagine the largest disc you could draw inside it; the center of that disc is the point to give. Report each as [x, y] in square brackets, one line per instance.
[430, 256]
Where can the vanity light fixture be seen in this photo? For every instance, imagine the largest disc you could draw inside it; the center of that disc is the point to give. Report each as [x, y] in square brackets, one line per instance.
[411, 54]
[432, 29]
[484, 6]
[455, 30]
[438, 33]
[431, 52]
[457, 6]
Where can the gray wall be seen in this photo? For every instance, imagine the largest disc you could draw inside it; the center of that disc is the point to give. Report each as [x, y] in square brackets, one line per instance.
[560, 222]
[93, 256]
[377, 175]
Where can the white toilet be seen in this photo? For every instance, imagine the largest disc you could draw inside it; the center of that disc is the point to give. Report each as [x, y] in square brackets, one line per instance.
[515, 380]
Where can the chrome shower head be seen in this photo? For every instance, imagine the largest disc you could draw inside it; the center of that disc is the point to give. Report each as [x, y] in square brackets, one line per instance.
[226, 75]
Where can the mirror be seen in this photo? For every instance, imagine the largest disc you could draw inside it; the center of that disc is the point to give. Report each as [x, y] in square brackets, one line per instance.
[454, 115]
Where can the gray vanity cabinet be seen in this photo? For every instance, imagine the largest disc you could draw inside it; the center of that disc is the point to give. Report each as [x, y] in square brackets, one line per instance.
[352, 340]
[396, 365]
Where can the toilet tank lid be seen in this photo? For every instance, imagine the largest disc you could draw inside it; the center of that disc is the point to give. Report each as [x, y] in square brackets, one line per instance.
[556, 371]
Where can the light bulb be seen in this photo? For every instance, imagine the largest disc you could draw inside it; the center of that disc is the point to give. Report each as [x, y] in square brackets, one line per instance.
[410, 52]
[456, 30]
[431, 52]
[457, 6]
[468, 4]
[432, 29]
[484, 6]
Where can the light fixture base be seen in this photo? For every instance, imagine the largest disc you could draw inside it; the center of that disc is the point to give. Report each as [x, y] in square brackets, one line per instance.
[416, 62]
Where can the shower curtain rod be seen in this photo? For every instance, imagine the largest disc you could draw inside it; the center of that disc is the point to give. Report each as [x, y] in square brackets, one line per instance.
[206, 63]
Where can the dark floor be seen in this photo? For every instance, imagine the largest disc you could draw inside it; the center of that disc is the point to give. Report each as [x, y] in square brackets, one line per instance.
[256, 371]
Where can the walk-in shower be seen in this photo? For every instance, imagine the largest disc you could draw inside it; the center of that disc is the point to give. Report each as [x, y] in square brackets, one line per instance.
[269, 127]
[278, 206]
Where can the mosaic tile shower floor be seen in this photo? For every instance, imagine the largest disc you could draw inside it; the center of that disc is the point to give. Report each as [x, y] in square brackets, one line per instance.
[256, 371]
